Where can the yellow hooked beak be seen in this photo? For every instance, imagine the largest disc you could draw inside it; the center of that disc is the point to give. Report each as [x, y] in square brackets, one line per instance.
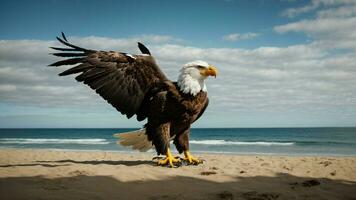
[210, 71]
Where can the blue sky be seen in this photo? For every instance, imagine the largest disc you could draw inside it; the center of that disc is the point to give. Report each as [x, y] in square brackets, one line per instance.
[200, 23]
[282, 63]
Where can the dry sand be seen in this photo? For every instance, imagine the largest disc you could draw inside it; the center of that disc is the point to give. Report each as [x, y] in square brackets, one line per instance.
[45, 174]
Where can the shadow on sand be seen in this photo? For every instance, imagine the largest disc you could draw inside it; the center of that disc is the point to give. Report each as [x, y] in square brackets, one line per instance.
[280, 186]
[34, 164]
[106, 162]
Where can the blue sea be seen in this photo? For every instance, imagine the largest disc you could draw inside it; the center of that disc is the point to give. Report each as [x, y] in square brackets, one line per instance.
[280, 141]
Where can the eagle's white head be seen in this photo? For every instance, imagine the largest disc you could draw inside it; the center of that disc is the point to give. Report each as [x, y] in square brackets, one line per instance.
[192, 76]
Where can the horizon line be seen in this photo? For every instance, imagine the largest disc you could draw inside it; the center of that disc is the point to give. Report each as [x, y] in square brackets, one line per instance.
[191, 127]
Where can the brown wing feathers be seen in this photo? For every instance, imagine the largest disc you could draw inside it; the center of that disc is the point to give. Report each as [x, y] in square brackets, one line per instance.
[121, 79]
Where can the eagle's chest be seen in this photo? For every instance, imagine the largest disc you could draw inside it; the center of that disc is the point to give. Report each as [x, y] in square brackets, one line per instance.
[192, 106]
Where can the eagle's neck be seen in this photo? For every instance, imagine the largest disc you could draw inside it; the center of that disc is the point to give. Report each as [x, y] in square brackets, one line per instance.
[189, 85]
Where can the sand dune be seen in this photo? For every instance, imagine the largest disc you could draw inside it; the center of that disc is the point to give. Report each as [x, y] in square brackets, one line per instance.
[45, 174]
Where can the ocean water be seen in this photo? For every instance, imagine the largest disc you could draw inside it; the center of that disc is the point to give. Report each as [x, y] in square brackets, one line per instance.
[280, 141]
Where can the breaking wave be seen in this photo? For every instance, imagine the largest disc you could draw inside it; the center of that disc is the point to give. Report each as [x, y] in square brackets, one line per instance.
[52, 141]
[224, 142]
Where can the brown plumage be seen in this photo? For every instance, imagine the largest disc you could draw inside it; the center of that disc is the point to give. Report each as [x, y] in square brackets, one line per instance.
[135, 85]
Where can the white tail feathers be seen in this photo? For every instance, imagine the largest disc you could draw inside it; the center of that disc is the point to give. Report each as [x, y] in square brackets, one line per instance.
[137, 139]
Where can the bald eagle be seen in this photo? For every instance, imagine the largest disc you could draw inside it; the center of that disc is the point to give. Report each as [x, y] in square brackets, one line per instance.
[135, 85]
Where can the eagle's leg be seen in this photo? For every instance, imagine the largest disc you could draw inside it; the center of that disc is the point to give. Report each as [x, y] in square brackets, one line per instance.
[190, 159]
[168, 160]
[182, 143]
[161, 143]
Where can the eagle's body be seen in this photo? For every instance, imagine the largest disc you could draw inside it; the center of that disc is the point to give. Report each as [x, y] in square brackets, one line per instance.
[135, 85]
[173, 110]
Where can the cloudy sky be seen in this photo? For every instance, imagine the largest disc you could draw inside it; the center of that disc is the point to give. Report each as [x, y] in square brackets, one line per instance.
[282, 63]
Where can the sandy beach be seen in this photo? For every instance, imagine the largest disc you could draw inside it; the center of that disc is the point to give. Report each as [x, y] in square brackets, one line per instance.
[48, 174]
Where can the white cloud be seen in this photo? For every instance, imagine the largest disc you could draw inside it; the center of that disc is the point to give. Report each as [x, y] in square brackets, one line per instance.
[315, 4]
[332, 27]
[292, 12]
[268, 79]
[105, 43]
[238, 36]
[319, 26]
[7, 88]
[342, 11]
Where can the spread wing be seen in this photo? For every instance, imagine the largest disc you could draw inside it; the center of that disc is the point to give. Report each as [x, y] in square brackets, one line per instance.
[120, 78]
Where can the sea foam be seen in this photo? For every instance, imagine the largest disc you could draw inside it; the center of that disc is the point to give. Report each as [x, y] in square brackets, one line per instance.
[52, 141]
[224, 142]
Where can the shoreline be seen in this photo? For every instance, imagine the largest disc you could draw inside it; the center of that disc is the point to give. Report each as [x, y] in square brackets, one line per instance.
[175, 152]
[44, 174]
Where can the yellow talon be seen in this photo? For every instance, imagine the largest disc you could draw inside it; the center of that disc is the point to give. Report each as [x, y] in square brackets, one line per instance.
[168, 160]
[190, 159]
